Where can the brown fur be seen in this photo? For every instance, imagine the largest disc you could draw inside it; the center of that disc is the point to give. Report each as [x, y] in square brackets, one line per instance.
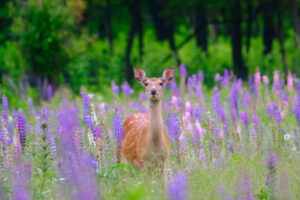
[145, 140]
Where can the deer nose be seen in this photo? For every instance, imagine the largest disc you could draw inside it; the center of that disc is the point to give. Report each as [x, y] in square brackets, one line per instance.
[153, 92]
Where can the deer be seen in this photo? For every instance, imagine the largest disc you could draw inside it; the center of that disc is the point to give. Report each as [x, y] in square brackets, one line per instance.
[145, 141]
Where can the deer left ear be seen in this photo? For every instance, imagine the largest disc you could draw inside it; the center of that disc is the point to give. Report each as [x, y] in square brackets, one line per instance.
[168, 75]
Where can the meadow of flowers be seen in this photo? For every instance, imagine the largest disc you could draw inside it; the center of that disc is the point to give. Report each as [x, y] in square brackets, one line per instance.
[238, 140]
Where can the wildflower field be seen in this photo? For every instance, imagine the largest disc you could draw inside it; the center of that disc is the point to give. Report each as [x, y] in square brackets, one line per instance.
[237, 140]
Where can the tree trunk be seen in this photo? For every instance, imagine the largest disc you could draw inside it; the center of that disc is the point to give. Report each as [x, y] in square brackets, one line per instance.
[136, 27]
[173, 48]
[201, 27]
[279, 34]
[268, 32]
[236, 38]
[139, 27]
[128, 67]
[295, 21]
[101, 30]
[109, 27]
[249, 26]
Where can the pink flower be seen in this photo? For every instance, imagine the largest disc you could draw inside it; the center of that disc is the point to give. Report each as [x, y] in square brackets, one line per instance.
[265, 80]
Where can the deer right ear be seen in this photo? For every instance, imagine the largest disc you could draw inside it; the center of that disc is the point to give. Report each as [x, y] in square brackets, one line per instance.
[140, 75]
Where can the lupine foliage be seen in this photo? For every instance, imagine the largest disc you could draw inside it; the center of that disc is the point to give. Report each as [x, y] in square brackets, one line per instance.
[237, 141]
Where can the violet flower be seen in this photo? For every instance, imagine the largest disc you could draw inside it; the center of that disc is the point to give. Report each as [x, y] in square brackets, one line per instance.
[296, 109]
[229, 146]
[200, 77]
[126, 89]
[182, 70]
[226, 79]
[86, 106]
[244, 190]
[20, 182]
[21, 122]
[244, 118]
[97, 132]
[117, 125]
[271, 176]
[115, 88]
[49, 92]
[177, 188]
[5, 111]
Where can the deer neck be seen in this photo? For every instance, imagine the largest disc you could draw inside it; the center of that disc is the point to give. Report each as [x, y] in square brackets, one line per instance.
[156, 125]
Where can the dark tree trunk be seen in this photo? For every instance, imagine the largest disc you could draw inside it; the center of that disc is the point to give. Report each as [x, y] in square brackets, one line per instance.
[279, 34]
[101, 30]
[139, 27]
[249, 26]
[295, 21]
[128, 67]
[159, 20]
[135, 27]
[173, 48]
[236, 38]
[109, 27]
[269, 30]
[201, 26]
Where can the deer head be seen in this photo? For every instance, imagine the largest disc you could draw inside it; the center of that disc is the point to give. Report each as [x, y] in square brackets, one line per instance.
[154, 86]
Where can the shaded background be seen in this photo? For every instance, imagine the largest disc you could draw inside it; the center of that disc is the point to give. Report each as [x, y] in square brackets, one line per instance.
[92, 42]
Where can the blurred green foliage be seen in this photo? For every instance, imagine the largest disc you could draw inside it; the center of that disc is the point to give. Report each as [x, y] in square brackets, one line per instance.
[66, 42]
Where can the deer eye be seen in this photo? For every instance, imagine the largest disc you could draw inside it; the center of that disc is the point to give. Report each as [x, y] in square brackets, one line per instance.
[146, 84]
[161, 83]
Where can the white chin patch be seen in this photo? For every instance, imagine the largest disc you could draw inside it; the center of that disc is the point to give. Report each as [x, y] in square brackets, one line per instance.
[154, 97]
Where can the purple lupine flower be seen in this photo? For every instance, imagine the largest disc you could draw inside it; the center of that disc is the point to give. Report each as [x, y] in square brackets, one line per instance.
[239, 84]
[182, 70]
[20, 182]
[174, 88]
[218, 77]
[255, 120]
[49, 92]
[21, 123]
[52, 141]
[182, 141]
[177, 188]
[200, 77]
[216, 98]
[271, 176]
[97, 132]
[246, 99]
[217, 131]
[251, 84]
[5, 110]
[2, 134]
[226, 79]
[198, 91]
[244, 118]
[229, 146]
[296, 109]
[290, 81]
[30, 106]
[244, 189]
[86, 106]
[126, 89]
[115, 88]
[234, 98]
[275, 113]
[174, 127]
[265, 80]
[257, 79]
[117, 125]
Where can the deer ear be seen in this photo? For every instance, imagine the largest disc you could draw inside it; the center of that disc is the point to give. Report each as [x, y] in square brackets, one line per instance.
[139, 75]
[168, 75]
